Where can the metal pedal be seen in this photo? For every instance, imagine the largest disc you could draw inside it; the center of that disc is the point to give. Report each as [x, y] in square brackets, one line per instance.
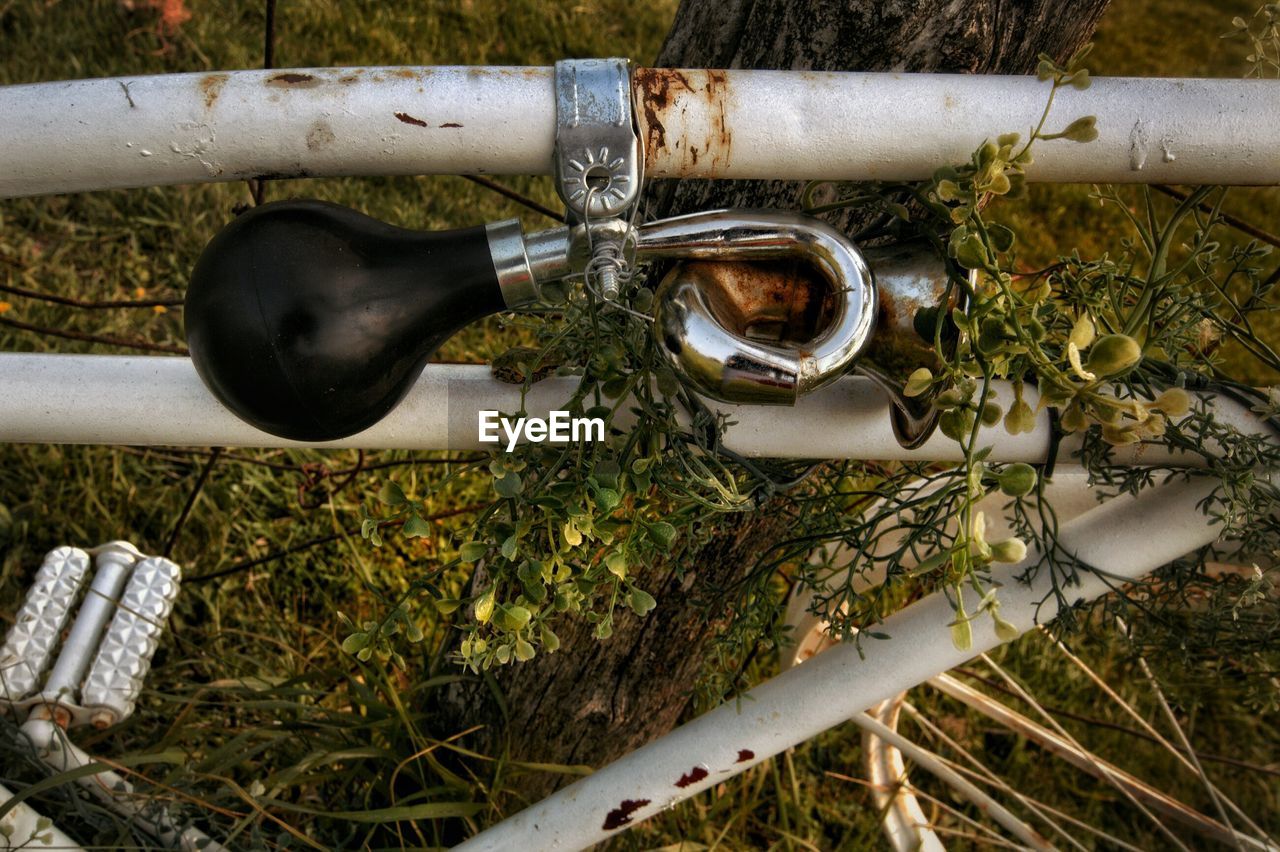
[124, 657]
[28, 648]
[104, 656]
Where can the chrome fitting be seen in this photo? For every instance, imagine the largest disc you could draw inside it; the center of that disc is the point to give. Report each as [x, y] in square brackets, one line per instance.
[599, 162]
[511, 263]
[911, 280]
[727, 323]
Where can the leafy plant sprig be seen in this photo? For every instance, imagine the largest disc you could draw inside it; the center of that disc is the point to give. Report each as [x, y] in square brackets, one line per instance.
[1108, 342]
[1111, 342]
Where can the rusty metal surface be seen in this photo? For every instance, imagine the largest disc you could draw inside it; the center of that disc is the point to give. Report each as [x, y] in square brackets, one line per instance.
[671, 96]
[767, 300]
[797, 125]
[737, 124]
[315, 122]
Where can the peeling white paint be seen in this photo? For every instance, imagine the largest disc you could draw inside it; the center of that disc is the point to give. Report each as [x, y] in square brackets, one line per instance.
[1138, 146]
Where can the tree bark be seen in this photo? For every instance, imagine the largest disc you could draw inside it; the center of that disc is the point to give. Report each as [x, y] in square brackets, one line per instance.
[593, 701]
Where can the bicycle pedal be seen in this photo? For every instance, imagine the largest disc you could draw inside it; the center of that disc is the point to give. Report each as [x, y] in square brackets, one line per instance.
[104, 655]
[37, 628]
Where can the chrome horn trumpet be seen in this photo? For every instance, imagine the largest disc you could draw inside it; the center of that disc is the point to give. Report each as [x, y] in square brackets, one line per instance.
[747, 332]
[713, 319]
[747, 271]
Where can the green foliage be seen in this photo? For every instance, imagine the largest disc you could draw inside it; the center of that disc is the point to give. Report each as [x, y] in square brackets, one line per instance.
[1263, 34]
[1111, 342]
[569, 521]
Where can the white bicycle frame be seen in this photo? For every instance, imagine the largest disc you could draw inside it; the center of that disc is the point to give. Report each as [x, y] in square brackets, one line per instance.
[145, 131]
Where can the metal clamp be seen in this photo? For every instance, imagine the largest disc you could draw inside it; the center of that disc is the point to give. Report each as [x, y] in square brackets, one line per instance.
[599, 161]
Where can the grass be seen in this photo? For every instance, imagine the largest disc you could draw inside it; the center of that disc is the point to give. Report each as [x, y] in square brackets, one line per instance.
[269, 730]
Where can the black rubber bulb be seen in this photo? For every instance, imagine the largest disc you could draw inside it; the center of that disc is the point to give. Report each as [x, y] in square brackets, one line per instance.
[310, 320]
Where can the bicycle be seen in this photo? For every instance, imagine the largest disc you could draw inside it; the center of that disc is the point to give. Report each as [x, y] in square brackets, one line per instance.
[633, 789]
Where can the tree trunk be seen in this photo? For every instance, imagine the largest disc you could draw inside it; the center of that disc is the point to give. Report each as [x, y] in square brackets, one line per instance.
[593, 701]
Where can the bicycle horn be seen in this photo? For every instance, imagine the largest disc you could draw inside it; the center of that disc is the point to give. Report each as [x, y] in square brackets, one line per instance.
[710, 332]
[310, 321]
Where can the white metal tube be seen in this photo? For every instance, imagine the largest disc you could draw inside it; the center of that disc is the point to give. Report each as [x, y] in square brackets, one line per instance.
[21, 828]
[801, 125]
[198, 128]
[80, 135]
[903, 821]
[157, 401]
[114, 790]
[1119, 537]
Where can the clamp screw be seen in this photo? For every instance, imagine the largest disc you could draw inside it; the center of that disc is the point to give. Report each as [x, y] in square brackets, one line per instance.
[609, 283]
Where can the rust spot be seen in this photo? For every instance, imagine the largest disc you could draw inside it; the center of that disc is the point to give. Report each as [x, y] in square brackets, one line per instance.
[666, 93]
[451, 124]
[693, 776]
[745, 754]
[655, 86]
[776, 301]
[290, 78]
[527, 73]
[621, 815]
[404, 74]
[408, 119]
[898, 347]
[296, 172]
[349, 79]
[211, 85]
